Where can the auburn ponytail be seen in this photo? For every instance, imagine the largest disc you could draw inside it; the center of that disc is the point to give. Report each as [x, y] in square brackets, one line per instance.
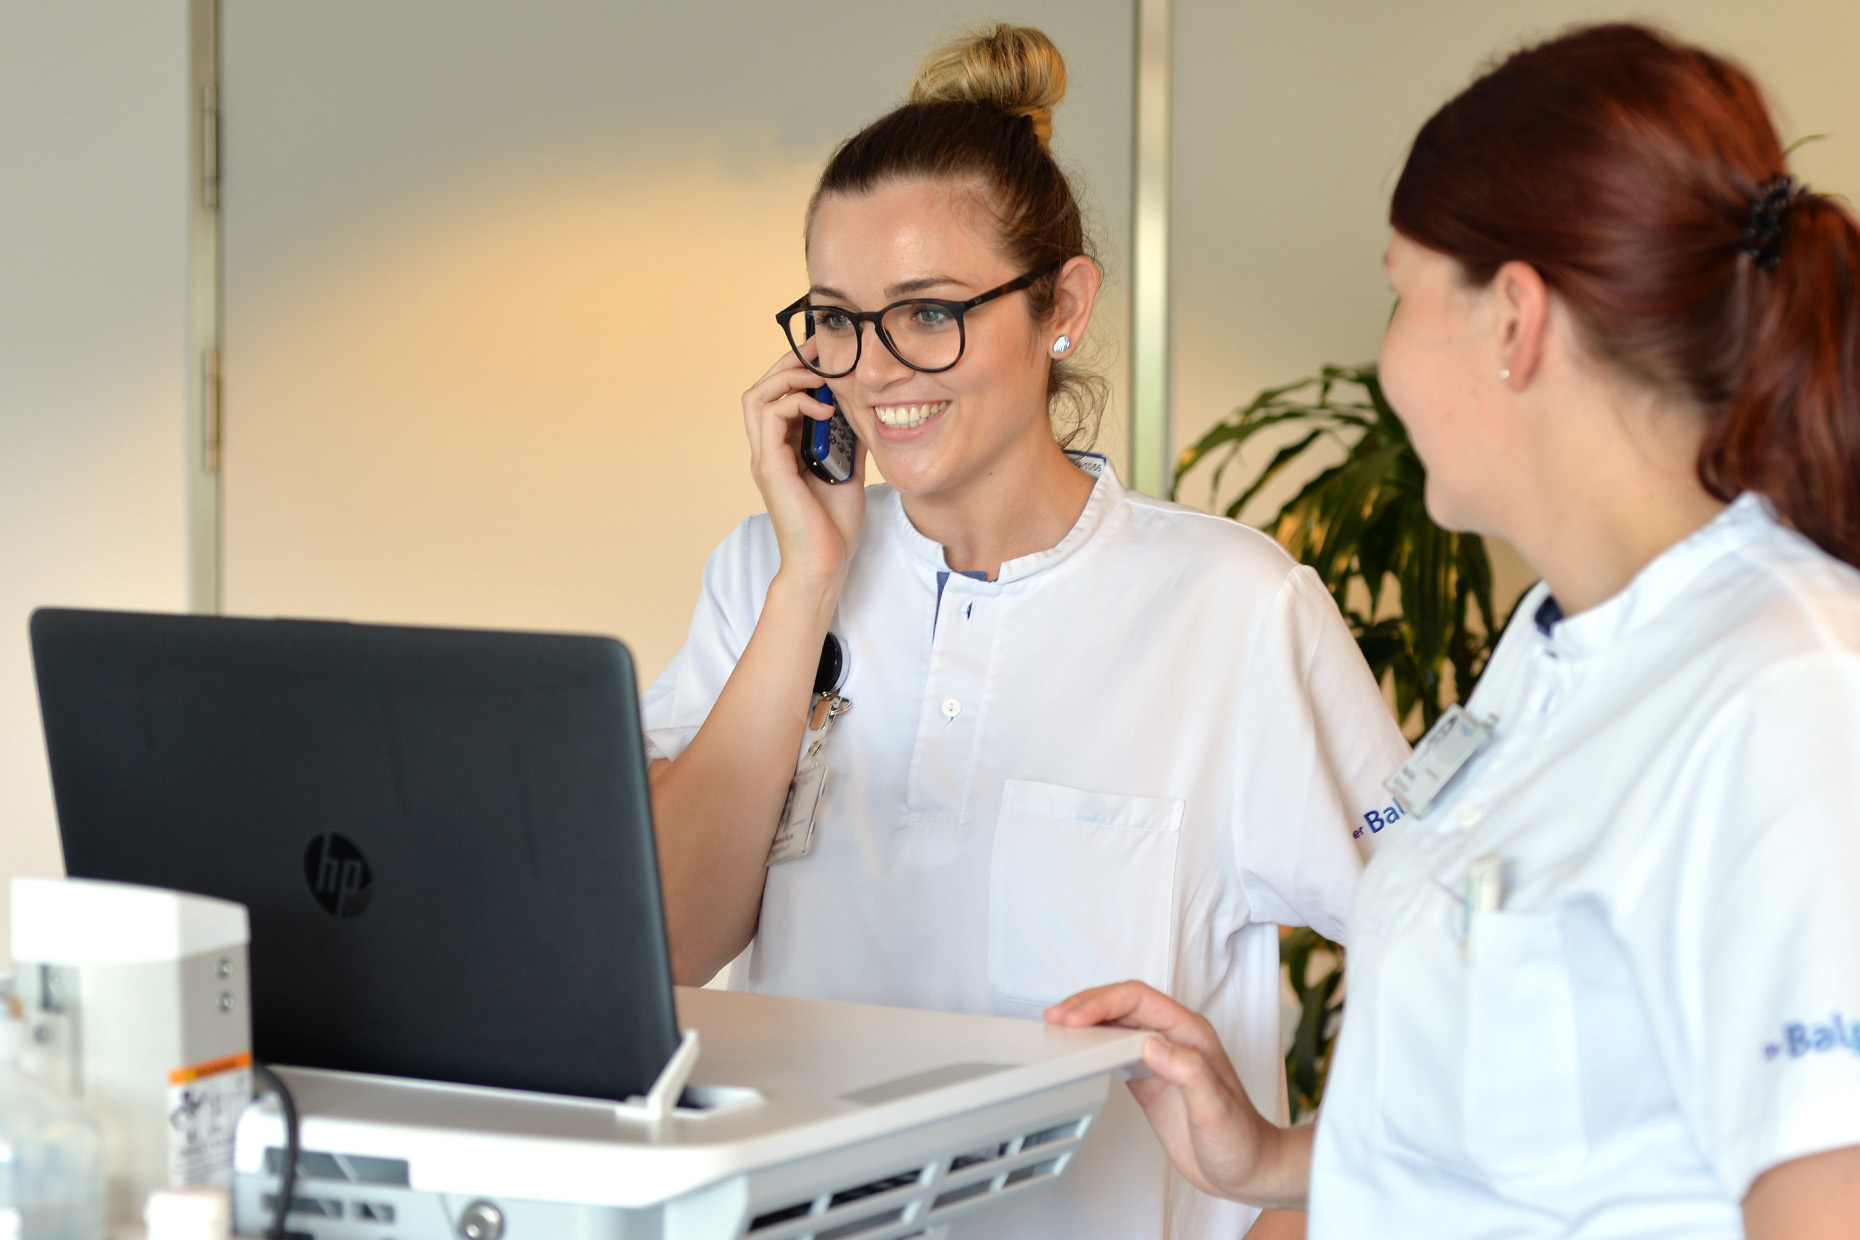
[1639, 175]
[1793, 431]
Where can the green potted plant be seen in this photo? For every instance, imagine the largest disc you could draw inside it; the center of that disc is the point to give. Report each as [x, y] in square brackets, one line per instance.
[1417, 598]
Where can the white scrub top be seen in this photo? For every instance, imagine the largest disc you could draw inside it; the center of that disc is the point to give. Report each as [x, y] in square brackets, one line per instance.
[1668, 1001]
[1130, 756]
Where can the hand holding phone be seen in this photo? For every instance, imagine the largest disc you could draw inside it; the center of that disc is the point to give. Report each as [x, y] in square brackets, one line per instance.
[827, 447]
[817, 525]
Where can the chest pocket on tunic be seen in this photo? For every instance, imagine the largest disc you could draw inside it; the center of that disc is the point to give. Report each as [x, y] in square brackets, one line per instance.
[1081, 891]
[1518, 1110]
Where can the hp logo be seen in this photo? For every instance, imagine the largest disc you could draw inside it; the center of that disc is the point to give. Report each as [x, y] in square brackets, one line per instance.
[339, 875]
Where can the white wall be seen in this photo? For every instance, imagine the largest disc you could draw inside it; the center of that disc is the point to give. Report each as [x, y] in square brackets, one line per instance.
[446, 225]
[93, 322]
[497, 275]
[1292, 121]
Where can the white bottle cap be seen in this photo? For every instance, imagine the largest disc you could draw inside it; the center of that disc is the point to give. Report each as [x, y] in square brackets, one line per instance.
[189, 1214]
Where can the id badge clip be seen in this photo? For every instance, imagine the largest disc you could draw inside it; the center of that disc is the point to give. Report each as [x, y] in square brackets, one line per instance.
[1454, 740]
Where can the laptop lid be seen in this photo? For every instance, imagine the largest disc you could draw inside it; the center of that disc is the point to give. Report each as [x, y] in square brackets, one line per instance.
[443, 837]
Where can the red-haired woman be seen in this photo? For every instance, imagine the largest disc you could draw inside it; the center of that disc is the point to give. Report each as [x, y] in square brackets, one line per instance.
[1608, 983]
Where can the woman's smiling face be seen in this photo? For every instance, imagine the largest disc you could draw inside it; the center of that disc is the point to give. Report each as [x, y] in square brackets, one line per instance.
[926, 238]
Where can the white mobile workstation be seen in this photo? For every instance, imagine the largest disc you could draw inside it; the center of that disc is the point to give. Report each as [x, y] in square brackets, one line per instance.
[483, 799]
[810, 1120]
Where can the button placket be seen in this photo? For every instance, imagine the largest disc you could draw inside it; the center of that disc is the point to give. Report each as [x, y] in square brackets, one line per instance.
[944, 755]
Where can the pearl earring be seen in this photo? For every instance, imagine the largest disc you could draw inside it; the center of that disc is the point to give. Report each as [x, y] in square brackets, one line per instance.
[1504, 374]
[1062, 344]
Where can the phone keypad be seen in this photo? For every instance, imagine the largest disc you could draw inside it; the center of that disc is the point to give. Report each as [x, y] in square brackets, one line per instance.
[840, 437]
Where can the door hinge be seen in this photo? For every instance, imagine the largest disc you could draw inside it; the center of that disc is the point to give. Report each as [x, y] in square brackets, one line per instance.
[210, 147]
[210, 411]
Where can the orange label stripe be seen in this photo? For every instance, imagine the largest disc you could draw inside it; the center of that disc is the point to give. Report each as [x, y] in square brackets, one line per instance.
[213, 1067]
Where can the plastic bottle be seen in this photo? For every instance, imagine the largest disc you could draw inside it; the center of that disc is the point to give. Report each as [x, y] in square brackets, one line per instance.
[51, 1155]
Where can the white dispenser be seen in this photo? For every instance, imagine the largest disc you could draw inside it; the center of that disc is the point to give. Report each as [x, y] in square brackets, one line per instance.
[136, 1002]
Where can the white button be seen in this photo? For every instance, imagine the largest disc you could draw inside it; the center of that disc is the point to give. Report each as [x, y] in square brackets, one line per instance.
[1470, 816]
[951, 708]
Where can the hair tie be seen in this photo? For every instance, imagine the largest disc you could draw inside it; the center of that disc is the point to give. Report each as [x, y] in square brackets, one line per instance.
[1763, 223]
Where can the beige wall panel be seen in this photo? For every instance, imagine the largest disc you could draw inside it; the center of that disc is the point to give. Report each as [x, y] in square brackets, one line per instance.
[497, 275]
[93, 327]
[1291, 123]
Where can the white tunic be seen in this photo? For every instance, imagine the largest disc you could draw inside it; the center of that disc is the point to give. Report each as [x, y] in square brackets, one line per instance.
[1666, 1003]
[1130, 756]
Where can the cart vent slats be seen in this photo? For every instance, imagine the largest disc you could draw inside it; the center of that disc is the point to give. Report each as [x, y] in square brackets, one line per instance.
[905, 1203]
[861, 1226]
[775, 1218]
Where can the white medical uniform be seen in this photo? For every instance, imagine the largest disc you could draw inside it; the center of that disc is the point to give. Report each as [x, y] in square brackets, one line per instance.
[1666, 1003]
[1130, 756]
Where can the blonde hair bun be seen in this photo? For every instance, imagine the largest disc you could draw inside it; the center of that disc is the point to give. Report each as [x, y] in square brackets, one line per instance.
[1014, 68]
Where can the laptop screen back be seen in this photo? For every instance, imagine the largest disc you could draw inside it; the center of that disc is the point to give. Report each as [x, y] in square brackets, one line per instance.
[443, 837]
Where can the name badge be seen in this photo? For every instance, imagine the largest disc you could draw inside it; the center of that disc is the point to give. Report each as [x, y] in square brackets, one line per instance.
[794, 835]
[1446, 749]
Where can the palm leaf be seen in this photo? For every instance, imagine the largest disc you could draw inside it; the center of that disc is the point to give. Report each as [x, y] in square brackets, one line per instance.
[1361, 523]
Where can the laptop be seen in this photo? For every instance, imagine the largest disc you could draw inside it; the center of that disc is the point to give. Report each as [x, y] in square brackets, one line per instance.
[443, 837]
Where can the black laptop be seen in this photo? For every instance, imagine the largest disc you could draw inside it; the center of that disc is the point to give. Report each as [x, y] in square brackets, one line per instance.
[443, 837]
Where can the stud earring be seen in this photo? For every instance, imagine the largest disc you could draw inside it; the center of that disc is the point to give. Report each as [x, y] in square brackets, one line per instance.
[1504, 374]
[1062, 344]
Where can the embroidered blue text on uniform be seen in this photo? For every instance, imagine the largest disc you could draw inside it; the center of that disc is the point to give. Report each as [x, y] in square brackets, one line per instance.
[1800, 1038]
[1376, 819]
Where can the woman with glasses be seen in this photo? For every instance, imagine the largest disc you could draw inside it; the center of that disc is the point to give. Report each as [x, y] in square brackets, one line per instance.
[1607, 981]
[1073, 734]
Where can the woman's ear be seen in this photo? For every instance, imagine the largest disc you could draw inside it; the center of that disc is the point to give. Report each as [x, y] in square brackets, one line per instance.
[1073, 299]
[1521, 302]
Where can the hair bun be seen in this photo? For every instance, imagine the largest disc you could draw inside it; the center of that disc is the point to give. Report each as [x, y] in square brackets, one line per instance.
[1014, 68]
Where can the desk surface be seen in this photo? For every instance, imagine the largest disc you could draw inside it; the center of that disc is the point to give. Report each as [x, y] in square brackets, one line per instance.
[829, 1075]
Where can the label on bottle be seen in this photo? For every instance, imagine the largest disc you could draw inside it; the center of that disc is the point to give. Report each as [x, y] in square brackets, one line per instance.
[204, 1102]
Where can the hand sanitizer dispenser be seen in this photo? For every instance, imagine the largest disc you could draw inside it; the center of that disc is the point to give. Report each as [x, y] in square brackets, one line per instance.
[135, 1001]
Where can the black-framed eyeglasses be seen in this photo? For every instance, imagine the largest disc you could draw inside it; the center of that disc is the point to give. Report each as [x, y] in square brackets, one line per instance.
[925, 333]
